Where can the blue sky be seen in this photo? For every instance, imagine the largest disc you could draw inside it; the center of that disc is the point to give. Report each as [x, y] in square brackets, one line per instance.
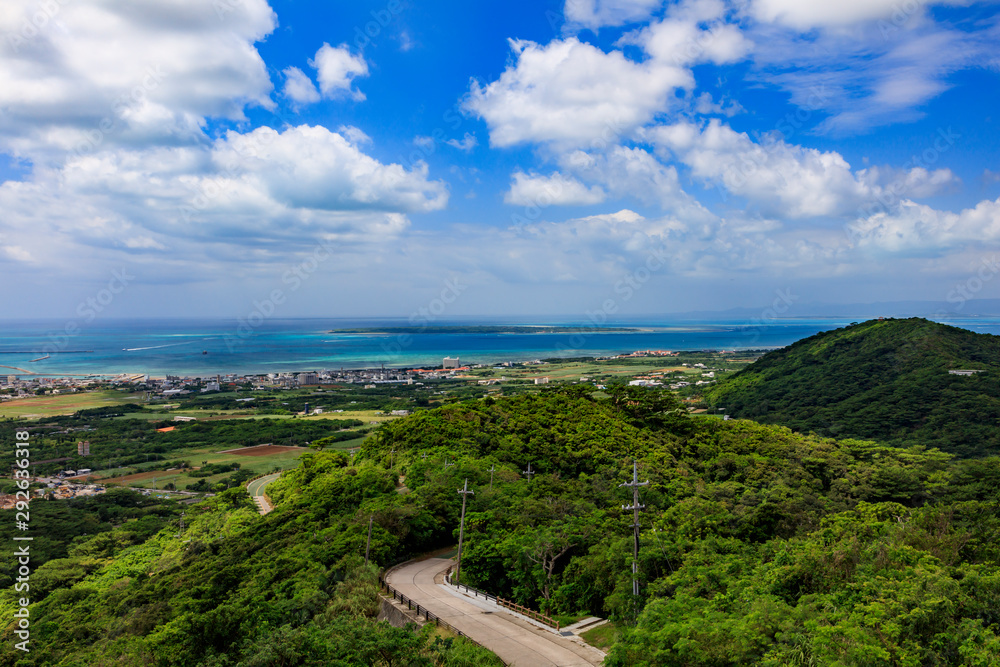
[364, 158]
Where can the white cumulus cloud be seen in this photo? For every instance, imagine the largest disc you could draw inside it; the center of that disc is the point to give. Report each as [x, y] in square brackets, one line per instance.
[555, 189]
[252, 197]
[571, 93]
[102, 73]
[312, 167]
[596, 14]
[465, 144]
[336, 69]
[792, 180]
[298, 87]
[916, 227]
[806, 15]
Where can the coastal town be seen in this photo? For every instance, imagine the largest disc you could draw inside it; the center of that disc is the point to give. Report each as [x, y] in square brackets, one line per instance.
[14, 386]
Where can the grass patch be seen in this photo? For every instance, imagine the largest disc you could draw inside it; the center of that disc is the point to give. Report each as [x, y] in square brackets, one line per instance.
[602, 637]
[569, 619]
[200, 456]
[64, 404]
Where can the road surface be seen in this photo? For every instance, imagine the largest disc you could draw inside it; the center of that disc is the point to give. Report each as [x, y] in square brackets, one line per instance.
[516, 641]
[256, 491]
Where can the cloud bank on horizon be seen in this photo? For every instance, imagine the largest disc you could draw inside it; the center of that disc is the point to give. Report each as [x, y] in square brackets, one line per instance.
[846, 151]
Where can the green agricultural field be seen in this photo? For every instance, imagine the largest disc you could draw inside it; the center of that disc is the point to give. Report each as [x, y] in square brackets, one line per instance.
[141, 476]
[611, 369]
[64, 404]
[364, 415]
[212, 415]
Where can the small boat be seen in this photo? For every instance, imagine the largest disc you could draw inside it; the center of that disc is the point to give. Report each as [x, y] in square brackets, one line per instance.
[204, 351]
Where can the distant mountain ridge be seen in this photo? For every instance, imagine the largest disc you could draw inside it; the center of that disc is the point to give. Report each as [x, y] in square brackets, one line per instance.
[885, 380]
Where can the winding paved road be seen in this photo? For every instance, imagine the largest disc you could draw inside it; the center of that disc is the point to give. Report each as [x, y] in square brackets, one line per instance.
[256, 491]
[516, 641]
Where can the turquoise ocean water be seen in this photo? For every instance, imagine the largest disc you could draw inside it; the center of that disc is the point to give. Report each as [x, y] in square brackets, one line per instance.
[210, 347]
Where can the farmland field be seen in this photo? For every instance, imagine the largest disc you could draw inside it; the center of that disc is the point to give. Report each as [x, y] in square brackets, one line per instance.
[276, 457]
[64, 404]
[263, 450]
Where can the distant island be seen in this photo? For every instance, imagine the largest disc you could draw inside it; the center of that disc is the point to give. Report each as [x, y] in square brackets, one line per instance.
[483, 330]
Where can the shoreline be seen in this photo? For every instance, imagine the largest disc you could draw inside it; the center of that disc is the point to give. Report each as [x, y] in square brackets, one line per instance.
[104, 377]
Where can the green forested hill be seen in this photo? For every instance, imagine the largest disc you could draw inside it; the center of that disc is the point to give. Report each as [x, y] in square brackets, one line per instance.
[759, 547]
[886, 380]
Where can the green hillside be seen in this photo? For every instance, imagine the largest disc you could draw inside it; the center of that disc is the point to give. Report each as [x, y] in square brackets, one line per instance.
[886, 380]
[759, 547]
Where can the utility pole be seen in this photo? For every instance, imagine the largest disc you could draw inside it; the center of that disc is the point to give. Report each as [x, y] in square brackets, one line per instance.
[391, 452]
[368, 544]
[448, 465]
[465, 491]
[635, 507]
[529, 472]
[492, 468]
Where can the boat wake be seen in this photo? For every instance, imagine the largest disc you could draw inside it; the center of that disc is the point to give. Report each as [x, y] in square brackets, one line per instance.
[152, 347]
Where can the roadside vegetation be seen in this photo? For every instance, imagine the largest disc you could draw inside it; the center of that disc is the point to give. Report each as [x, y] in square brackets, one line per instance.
[759, 546]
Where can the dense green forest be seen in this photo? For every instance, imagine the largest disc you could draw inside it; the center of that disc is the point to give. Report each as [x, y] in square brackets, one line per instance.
[759, 546]
[59, 527]
[886, 380]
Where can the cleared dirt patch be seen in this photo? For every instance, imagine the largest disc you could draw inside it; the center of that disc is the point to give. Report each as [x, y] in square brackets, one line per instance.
[136, 477]
[263, 450]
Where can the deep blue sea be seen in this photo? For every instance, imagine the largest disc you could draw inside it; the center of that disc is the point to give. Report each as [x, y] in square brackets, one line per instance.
[209, 347]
